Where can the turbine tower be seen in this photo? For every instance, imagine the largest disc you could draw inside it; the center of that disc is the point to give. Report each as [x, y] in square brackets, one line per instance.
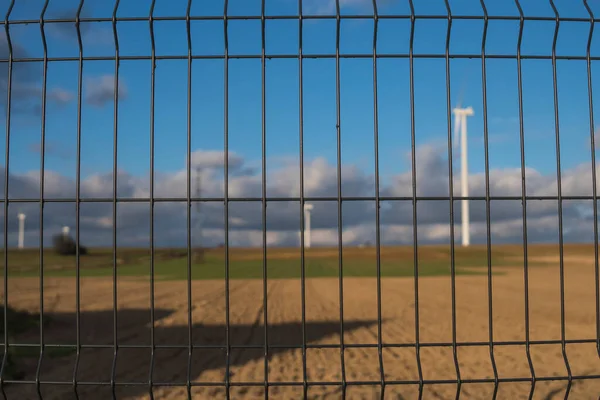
[21, 239]
[199, 254]
[307, 210]
[198, 207]
[460, 133]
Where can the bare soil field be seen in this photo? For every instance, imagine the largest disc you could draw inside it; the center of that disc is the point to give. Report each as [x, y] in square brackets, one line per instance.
[284, 317]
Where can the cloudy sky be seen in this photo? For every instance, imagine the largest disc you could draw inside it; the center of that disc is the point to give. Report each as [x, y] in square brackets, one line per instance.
[283, 121]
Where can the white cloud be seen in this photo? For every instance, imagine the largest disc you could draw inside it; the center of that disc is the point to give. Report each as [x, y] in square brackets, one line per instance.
[283, 218]
[215, 159]
[100, 90]
[26, 85]
[329, 6]
[503, 120]
[596, 138]
[93, 34]
[60, 96]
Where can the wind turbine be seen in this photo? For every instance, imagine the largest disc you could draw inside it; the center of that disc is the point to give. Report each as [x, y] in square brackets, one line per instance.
[21, 238]
[307, 210]
[198, 205]
[199, 254]
[460, 133]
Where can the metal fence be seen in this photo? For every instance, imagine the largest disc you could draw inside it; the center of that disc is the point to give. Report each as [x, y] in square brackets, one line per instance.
[13, 60]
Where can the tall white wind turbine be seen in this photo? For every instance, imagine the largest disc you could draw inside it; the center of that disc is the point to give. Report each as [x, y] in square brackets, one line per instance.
[21, 238]
[307, 209]
[460, 133]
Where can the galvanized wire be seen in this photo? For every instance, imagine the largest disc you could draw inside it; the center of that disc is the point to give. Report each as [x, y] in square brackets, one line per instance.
[41, 204]
[377, 204]
[189, 204]
[8, 121]
[451, 203]
[338, 127]
[77, 201]
[302, 199]
[524, 200]
[226, 203]
[487, 200]
[561, 249]
[413, 158]
[594, 183]
[264, 200]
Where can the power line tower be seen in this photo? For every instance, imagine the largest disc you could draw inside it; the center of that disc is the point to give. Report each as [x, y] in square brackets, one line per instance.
[199, 252]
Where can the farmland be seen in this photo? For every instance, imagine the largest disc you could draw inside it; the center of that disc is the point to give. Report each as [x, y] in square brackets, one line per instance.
[281, 263]
[283, 317]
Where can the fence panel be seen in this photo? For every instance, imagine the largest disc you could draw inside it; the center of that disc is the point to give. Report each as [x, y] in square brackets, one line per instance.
[268, 198]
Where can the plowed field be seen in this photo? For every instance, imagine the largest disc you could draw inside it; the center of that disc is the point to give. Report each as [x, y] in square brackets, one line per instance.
[324, 365]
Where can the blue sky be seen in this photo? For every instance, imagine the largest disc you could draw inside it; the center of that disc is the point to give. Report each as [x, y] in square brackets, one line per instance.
[282, 108]
[319, 87]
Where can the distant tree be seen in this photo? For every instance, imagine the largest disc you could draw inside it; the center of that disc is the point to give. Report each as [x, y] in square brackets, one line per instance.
[66, 246]
[198, 255]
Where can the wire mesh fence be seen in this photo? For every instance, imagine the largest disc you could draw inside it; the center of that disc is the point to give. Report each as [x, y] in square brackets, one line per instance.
[198, 279]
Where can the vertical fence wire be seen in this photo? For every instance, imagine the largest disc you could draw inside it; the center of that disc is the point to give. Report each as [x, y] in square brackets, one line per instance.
[189, 202]
[152, 98]
[451, 202]
[6, 184]
[339, 194]
[561, 249]
[377, 202]
[594, 182]
[226, 199]
[78, 202]
[264, 199]
[413, 157]
[523, 198]
[41, 204]
[488, 224]
[302, 200]
[114, 202]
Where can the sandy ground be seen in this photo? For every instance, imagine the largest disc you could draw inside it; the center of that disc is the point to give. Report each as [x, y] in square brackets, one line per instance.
[322, 327]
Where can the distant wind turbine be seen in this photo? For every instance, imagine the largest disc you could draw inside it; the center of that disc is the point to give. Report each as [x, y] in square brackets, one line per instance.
[198, 205]
[460, 133]
[21, 238]
[307, 209]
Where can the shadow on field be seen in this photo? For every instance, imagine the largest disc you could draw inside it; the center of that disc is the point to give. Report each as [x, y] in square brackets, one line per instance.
[133, 363]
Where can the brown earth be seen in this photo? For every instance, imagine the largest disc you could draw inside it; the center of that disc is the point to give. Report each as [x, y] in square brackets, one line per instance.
[322, 327]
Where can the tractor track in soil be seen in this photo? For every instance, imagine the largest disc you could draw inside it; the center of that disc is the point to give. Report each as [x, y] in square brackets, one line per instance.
[322, 327]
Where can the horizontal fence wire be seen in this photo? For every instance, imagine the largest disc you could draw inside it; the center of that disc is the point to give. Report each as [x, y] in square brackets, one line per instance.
[290, 199]
[318, 383]
[321, 346]
[14, 59]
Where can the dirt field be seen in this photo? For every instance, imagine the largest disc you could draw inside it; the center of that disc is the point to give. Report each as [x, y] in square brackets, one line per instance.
[323, 327]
